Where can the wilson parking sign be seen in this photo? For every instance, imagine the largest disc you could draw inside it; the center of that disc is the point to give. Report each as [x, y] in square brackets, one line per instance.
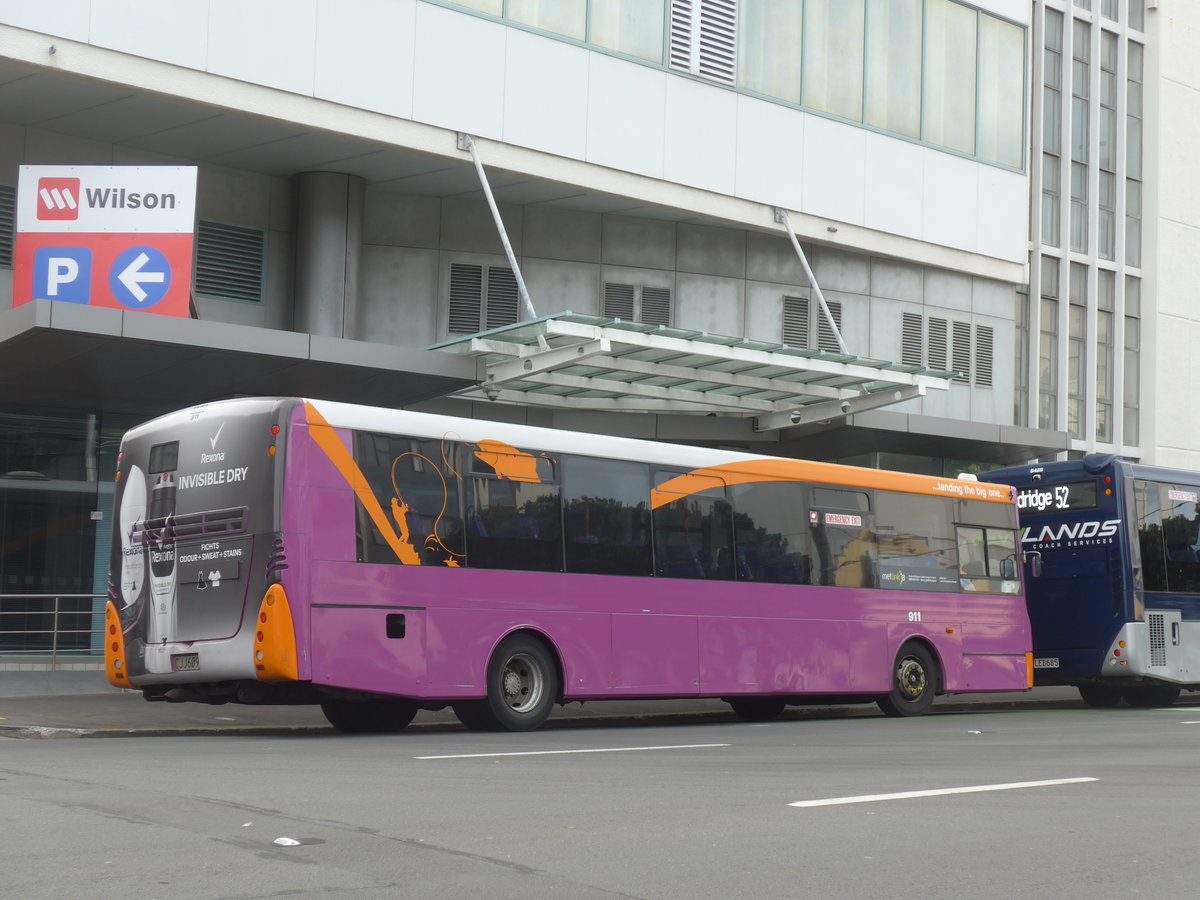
[114, 236]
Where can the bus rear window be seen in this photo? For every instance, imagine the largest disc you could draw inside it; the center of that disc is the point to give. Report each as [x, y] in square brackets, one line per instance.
[164, 457]
[1044, 498]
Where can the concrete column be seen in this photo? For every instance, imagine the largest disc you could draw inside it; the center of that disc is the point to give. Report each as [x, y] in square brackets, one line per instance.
[329, 223]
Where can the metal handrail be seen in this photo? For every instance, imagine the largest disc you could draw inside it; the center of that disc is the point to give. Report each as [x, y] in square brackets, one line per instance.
[56, 634]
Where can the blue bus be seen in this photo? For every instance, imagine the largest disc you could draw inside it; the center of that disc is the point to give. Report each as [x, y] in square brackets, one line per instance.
[1114, 597]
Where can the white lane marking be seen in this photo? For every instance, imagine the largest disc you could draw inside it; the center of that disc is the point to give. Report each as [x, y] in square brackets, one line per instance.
[564, 752]
[1189, 723]
[907, 795]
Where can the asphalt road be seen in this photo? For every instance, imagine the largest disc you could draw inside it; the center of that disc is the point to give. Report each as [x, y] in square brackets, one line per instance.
[1026, 801]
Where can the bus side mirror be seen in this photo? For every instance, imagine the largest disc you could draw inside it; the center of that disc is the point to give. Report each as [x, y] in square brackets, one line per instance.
[1008, 569]
[1035, 563]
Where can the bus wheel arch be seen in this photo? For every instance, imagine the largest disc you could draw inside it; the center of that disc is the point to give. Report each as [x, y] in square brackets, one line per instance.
[523, 680]
[915, 678]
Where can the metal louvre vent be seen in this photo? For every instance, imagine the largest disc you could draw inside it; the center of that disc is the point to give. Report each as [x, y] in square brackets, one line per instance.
[795, 321]
[826, 339]
[704, 38]
[984, 352]
[503, 297]
[8, 223]
[1158, 638]
[618, 300]
[656, 306]
[681, 34]
[229, 261]
[466, 298]
[962, 350]
[910, 339]
[718, 40]
[471, 308]
[938, 340]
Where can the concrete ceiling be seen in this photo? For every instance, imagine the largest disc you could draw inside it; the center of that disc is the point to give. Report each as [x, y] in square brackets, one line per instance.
[182, 132]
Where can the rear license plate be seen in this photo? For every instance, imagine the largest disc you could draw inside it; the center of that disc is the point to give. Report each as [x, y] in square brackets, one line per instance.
[185, 662]
[1045, 662]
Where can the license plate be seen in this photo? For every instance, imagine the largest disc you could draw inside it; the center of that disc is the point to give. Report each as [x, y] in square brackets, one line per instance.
[1045, 662]
[185, 662]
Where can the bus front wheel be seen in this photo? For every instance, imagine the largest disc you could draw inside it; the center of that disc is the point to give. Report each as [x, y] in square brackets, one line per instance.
[1100, 696]
[914, 682]
[522, 687]
[367, 716]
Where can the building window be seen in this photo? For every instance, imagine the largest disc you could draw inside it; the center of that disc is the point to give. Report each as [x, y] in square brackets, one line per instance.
[1077, 350]
[1021, 359]
[1133, 158]
[1001, 89]
[565, 17]
[637, 303]
[230, 261]
[1131, 388]
[768, 35]
[1106, 289]
[950, 67]
[1052, 130]
[1080, 91]
[481, 298]
[833, 57]
[1048, 345]
[632, 27]
[893, 86]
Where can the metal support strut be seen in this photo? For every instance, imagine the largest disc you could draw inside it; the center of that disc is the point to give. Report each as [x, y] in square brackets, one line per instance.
[466, 142]
[782, 217]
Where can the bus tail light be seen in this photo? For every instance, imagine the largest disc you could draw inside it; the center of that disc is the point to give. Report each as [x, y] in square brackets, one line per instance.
[1029, 668]
[115, 667]
[275, 638]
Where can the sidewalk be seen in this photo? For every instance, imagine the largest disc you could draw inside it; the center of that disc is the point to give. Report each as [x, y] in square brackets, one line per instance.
[82, 704]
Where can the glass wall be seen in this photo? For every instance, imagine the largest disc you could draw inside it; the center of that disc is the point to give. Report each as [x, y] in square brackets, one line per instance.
[937, 71]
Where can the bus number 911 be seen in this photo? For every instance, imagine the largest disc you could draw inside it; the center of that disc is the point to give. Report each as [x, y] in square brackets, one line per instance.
[914, 617]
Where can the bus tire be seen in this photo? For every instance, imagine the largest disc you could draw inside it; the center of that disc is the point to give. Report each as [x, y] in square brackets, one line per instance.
[757, 709]
[369, 716]
[1100, 696]
[915, 682]
[522, 687]
[1148, 696]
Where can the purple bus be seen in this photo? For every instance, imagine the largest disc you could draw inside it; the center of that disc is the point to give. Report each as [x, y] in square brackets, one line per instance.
[379, 562]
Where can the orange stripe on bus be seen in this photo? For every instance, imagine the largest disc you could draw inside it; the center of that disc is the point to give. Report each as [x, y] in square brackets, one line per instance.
[327, 439]
[275, 638]
[762, 470]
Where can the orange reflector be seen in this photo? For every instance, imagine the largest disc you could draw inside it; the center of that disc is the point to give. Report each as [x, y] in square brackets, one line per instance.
[275, 643]
[1029, 668]
[271, 450]
[114, 653]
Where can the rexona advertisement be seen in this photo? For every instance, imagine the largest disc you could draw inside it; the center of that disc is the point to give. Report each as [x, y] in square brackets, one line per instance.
[183, 549]
[119, 237]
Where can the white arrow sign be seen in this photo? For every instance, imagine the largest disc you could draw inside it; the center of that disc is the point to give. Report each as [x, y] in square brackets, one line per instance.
[132, 276]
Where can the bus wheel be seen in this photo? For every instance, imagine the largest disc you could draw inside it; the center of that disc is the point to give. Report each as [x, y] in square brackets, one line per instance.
[522, 687]
[757, 709]
[1100, 696]
[1147, 696]
[914, 682]
[378, 716]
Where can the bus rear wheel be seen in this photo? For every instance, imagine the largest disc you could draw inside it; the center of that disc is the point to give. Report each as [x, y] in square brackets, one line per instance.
[1147, 696]
[369, 716]
[522, 687]
[914, 682]
[757, 709]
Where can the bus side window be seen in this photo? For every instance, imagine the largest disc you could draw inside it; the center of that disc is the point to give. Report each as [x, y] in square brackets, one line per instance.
[606, 516]
[693, 535]
[515, 524]
[773, 540]
[844, 538]
[915, 535]
[987, 559]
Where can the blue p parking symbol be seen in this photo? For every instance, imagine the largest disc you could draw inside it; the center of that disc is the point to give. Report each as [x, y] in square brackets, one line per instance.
[62, 273]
